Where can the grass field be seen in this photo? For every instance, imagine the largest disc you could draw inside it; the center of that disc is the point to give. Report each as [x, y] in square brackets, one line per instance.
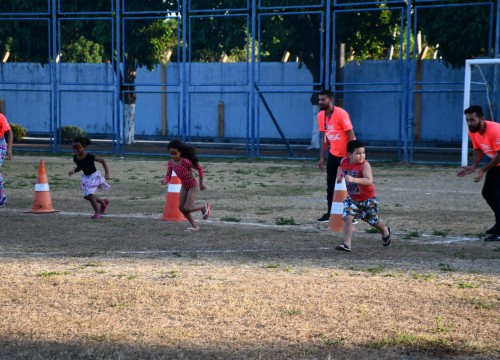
[261, 280]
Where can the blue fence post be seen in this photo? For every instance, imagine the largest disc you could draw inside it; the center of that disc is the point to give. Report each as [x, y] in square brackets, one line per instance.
[407, 83]
[54, 78]
[252, 99]
[182, 70]
[117, 67]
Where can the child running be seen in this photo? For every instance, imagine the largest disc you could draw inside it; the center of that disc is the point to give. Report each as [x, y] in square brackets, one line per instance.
[5, 152]
[361, 200]
[184, 162]
[91, 178]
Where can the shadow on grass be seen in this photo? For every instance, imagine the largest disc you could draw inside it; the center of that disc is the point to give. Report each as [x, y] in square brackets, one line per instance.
[414, 350]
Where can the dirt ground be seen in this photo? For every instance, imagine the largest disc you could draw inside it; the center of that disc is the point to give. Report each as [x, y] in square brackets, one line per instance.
[261, 280]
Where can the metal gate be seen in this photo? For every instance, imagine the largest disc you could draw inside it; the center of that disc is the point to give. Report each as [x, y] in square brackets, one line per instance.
[117, 24]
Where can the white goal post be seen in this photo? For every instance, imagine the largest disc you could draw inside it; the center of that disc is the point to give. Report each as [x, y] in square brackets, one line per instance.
[467, 91]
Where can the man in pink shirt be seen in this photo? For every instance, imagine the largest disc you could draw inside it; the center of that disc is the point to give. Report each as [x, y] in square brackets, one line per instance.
[5, 152]
[485, 136]
[336, 131]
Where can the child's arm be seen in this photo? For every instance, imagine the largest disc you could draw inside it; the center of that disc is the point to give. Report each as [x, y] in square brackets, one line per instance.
[367, 178]
[10, 141]
[168, 175]
[201, 173]
[339, 175]
[104, 165]
[71, 172]
[75, 170]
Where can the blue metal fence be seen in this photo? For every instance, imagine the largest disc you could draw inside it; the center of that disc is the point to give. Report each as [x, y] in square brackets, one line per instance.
[117, 15]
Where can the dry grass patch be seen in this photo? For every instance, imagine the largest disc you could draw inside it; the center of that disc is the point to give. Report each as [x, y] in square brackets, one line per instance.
[241, 307]
[132, 287]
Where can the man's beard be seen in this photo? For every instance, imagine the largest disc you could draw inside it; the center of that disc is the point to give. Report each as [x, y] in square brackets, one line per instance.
[475, 129]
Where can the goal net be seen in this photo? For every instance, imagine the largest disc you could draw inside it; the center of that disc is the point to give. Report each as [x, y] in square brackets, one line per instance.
[481, 87]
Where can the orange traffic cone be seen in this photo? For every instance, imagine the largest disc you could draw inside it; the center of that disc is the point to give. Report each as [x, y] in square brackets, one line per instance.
[171, 211]
[42, 204]
[339, 194]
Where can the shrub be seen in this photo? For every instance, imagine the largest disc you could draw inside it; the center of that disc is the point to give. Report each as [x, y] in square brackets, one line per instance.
[68, 132]
[285, 221]
[18, 132]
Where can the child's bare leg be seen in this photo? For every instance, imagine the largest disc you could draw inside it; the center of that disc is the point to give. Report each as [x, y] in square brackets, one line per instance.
[192, 193]
[348, 229]
[186, 205]
[380, 226]
[93, 201]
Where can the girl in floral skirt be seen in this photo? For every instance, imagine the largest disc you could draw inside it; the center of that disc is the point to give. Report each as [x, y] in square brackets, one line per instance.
[91, 178]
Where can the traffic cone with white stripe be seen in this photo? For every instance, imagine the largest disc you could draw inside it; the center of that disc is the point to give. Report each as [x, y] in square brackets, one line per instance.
[339, 194]
[42, 204]
[171, 211]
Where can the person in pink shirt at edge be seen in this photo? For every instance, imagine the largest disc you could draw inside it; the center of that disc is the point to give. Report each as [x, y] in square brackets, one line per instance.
[185, 164]
[336, 130]
[361, 201]
[485, 136]
[5, 152]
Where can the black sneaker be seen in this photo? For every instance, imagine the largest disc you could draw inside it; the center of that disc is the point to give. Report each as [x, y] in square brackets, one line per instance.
[491, 230]
[324, 218]
[493, 237]
[343, 247]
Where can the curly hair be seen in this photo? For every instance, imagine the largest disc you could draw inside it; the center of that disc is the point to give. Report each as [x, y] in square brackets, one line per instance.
[186, 151]
[82, 140]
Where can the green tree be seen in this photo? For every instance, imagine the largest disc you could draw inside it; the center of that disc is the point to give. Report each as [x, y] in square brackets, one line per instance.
[84, 51]
[461, 32]
[91, 40]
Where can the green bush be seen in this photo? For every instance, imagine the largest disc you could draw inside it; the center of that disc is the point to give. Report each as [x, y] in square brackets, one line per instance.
[18, 132]
[68, 132]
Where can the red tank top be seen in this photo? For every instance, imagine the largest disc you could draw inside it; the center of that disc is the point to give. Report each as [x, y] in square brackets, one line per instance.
[356, 191]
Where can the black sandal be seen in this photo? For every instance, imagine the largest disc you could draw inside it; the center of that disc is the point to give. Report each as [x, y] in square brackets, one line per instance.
[387, 239]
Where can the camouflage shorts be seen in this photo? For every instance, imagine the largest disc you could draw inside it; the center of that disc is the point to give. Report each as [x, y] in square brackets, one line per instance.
[366, 210]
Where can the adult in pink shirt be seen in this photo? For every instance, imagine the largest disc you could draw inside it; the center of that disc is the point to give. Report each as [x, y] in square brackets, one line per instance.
[336, 131]
[5, 152]
[485, 136]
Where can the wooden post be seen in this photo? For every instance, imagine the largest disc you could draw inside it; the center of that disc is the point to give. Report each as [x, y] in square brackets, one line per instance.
[5, 57]
[285, 57]
[164, 120]
[220, 119]
[339, 95]
[163, 100]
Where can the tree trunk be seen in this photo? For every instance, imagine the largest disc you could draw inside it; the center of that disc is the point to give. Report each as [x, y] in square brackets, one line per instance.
[129, 100]
[128, 123]
[315, 130]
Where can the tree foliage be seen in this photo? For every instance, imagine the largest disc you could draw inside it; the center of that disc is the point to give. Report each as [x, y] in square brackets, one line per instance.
[461, 32]
[86, 33]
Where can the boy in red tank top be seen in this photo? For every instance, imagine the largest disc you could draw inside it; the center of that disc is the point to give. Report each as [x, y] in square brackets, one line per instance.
[361, 201]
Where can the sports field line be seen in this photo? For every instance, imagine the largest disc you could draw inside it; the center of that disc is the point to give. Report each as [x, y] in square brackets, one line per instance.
[419, 240]
[158, 217]
[163, 252]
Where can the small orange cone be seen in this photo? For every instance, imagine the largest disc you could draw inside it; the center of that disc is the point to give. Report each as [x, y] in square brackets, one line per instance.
[171, 211]
[339, 194]
[42, 204]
